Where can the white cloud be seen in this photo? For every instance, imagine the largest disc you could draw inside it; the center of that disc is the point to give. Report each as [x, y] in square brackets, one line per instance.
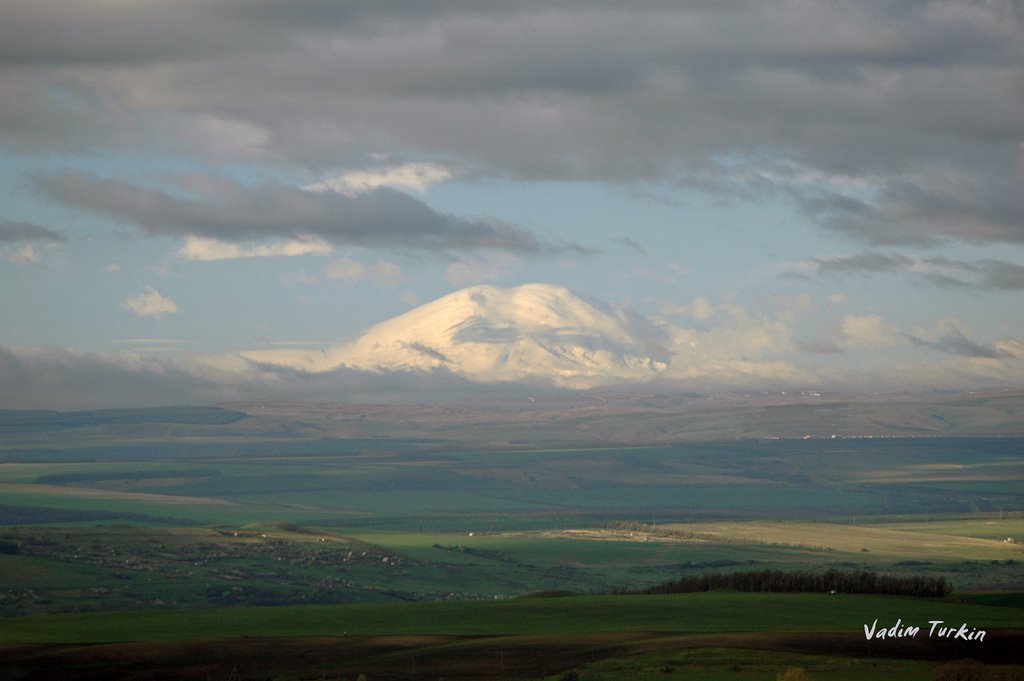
[351, 271]
[150, 303]
[701, 308]
[479, 270]
[732, 349]
[203, 248]
[294, 343]
[416, 176]
[151, 341]
[58, 378]
[837, 299]
[154, 344]
[864, 330]
[1011, 347]
[736, 339]
[24, 255]
[411, 298]
[112, 268]
[793, 307]
[304, 278]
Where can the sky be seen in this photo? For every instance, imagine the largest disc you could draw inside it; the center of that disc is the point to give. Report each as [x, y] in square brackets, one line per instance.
[807, 194]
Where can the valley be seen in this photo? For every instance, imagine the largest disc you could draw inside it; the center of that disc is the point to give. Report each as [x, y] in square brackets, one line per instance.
[298, 509]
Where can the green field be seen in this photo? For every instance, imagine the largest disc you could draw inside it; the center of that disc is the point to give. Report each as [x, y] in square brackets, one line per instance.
[719, 612]
[438, 485]
[718, 635]
[141, 533]
[435, 519]
[76, 568]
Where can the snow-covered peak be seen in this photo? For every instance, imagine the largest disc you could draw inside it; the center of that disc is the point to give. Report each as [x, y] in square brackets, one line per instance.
[486, 333]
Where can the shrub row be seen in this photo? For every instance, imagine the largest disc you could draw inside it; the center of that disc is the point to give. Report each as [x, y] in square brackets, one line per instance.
[829, 581]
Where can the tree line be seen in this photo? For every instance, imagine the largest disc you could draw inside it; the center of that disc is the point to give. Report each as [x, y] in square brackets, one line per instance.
[829, 581]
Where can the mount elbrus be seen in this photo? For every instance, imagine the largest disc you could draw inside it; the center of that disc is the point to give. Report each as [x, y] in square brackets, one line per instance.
[486, 333]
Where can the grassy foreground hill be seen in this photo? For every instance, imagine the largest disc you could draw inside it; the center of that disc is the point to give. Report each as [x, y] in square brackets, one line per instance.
[709, 612]
[517, 638]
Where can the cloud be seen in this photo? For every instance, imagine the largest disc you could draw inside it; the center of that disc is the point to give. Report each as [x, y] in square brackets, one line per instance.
[479, 270]
[865, 330]
[351, 271]
[151, 341]
[700, 309]
[956, 344]
[26, 231]
[741, 352]
[112, 268]
[228, 212]
[416, 176]
[986, 274]
[974, 205]
[150, 303]
[56, 378]
[818, 347]
[997, 274]
[201, 248]
[23, 255]
[890, 122]
[862, 263]
[154, 344]
[302, 277]
[625, 240]
[738, 354]
[1010, 347]
[951, 339]
[792, 307]
[731, 350]
[679, 268]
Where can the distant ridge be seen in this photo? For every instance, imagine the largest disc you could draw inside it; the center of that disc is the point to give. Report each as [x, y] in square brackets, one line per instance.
[41, 420]
[629, 418]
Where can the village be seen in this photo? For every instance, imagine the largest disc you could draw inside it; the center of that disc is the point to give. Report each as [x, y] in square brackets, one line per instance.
[116, 568]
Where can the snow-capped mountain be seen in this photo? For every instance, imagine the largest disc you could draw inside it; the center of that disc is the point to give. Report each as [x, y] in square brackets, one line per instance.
[486, 333]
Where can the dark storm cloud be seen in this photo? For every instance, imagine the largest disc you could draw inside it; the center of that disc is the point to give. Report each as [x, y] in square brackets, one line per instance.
[66, 32]
[229, 211]
[983, 206]
[893, 122]
[26, 231]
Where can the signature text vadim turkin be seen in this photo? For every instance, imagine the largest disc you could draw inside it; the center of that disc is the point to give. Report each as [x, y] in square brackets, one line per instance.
[937, 629]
